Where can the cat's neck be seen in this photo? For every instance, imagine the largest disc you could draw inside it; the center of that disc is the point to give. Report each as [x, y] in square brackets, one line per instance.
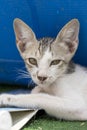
[71, 68]
[72, 72]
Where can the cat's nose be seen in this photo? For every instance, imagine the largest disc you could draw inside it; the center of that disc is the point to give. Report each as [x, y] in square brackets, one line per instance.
[41, 78]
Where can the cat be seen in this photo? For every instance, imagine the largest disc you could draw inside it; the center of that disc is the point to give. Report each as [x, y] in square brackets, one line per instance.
[61, 84]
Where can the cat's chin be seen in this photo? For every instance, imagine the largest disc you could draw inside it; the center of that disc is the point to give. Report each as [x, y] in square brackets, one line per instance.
[43, 84]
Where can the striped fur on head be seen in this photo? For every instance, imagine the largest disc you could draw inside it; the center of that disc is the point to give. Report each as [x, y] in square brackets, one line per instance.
[47, 59]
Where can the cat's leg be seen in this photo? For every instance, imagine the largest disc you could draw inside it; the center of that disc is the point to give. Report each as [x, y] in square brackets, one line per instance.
[37, 89]
[58, 107]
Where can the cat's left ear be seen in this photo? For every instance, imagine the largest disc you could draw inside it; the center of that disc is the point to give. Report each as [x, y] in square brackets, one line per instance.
[24, 35]
[68, 36]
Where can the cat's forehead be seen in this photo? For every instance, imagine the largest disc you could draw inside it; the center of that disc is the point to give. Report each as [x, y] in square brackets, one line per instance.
[44, 47]
[39, 48]
[45, 44]
[46, 40]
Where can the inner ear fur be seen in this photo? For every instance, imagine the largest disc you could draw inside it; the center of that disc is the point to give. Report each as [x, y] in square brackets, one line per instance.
[24, 34]
[69, 35]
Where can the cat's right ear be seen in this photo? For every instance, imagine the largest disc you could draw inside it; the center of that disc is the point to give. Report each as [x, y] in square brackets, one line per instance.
[24, 35]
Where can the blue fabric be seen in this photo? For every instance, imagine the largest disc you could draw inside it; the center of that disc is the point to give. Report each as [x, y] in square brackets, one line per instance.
[46, 18]
[19, 91]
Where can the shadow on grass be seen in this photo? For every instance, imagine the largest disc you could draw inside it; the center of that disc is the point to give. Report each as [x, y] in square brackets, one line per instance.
[43, 122]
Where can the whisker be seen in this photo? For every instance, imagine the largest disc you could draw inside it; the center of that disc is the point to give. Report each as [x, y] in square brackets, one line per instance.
[23, 74]
[30, 83]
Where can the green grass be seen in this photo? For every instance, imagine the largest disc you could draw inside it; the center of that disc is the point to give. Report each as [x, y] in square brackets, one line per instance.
[44, 122]
[48, 123]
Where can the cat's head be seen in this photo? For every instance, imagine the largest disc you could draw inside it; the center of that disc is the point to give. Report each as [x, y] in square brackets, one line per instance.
[47, 59]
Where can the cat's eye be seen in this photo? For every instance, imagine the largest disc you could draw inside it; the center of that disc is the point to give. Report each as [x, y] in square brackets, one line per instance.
[55, 62]
[32, 61]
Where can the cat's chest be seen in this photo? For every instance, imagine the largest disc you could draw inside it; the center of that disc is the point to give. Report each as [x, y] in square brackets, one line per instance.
[64, 89]
[71, 86]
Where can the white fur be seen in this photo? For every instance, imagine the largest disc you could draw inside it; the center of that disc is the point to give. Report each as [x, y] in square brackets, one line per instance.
[69, 102]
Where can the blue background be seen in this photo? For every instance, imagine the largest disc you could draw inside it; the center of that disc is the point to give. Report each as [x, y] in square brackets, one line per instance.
[46, 18]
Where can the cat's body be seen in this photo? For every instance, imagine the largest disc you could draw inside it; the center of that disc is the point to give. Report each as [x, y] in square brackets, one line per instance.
[62, 85]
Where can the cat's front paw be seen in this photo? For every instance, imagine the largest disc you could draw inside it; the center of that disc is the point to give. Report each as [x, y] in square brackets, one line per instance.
[4, 99]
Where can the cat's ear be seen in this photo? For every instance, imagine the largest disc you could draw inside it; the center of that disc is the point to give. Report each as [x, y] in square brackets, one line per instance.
[24, 35]
[68, 36]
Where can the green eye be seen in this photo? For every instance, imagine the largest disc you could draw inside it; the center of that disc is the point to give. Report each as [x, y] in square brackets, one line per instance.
[33, 61]
[55, 62]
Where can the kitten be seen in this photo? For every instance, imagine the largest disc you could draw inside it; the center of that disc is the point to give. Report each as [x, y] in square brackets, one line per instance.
[61, 85]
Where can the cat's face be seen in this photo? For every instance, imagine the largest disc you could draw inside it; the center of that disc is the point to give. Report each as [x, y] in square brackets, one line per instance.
[47, 59]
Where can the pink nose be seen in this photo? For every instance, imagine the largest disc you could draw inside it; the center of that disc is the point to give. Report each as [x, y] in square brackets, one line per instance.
[41, 78]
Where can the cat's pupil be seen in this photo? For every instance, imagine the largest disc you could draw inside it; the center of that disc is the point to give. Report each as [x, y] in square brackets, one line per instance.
[33, 61]
[55, 62]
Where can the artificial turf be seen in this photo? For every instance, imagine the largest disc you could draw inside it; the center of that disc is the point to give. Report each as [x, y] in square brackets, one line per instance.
[45, 122]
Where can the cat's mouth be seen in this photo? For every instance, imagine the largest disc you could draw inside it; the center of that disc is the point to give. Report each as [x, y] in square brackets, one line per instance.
[42, 82]
[45, 82]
